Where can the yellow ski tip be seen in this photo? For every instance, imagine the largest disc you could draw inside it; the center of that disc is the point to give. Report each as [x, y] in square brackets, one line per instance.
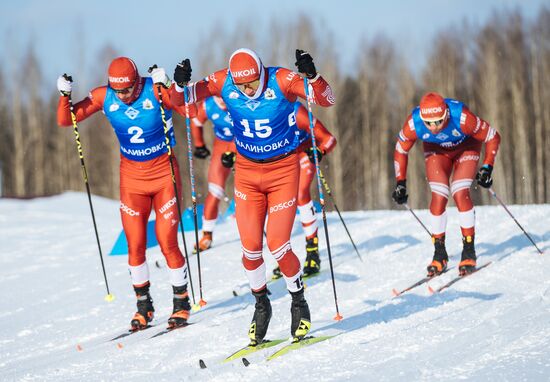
[110, 297]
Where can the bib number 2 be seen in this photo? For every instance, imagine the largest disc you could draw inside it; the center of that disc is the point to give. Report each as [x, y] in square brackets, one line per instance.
[136, 133]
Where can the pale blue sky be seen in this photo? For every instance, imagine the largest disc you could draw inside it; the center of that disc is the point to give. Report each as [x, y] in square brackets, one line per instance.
[133, 27]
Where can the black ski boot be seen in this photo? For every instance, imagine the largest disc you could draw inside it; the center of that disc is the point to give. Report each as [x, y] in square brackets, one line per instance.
[468, 260]
[440, 259]
[313, 262]
[301, 319]
[261, 318]
[145, 309]
[182, 307]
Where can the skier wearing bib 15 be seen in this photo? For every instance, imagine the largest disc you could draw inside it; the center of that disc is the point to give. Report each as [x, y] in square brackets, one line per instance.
[131, 104]
[213, 109]
[325, 144]
[452, 137]
[260, 100]
[223, 158]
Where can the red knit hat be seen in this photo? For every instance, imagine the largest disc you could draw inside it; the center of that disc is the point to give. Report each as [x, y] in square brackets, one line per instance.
[432, 107]
[123, 73]
[245, 66]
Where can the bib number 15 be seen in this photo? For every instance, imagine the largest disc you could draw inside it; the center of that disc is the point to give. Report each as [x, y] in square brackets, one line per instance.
[261, 127]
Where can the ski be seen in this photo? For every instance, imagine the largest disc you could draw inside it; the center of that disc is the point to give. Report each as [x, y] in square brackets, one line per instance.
[129, 332]
[306, 341]
[458, 278]
[252, 349]
[246, 351]
[170, 329]
[418, 283]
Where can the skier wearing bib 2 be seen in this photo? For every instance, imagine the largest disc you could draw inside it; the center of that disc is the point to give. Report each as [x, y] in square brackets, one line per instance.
[452, 137]
[130, 103]
[213, 109]
[260, 100]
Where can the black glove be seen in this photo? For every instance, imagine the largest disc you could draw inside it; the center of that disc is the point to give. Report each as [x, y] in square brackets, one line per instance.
[400, 193]
[483, 176]
[182, 73]
[228, 159]
[305, 64]
[310, 153]
[201, 152]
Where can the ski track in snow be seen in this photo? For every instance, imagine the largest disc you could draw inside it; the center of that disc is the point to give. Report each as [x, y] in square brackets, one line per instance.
[494, 325]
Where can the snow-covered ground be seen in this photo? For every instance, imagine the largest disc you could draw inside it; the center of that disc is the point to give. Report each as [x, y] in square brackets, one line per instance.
[494, 325]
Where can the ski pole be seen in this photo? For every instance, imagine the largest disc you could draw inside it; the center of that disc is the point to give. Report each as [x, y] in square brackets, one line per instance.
[327, 189]
[173, 174]
[416, 217]
[193, 194]
[338, 317]
[110, 297]
[512, 216]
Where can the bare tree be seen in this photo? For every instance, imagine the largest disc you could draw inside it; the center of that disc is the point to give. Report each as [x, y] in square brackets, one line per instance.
[35, 157]
[5, 139]
[489, 93]
[16, 125]
[350, 160]
[407, 98]
[520, 109]
[539, 50]
[378, 91]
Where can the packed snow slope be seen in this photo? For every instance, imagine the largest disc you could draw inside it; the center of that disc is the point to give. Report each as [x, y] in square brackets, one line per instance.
[492, 326]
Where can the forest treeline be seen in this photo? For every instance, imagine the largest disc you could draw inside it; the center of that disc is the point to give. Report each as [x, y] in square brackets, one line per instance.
[500, 70]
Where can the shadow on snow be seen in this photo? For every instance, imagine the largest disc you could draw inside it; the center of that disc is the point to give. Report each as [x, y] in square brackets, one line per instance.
[409, 304]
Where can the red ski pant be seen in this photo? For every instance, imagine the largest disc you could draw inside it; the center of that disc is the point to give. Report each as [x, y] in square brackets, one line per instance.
[305, 204]
[307, 173]
[217, 176]
[143, 186]
[267, 190]
[452, 170]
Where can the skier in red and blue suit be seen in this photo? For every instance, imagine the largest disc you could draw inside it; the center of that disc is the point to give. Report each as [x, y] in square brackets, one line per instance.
[452, 137]
[261, 103]
[131, 104]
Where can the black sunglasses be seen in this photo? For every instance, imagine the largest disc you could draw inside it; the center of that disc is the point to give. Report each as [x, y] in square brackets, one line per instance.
[123, 91]
[437, 123]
